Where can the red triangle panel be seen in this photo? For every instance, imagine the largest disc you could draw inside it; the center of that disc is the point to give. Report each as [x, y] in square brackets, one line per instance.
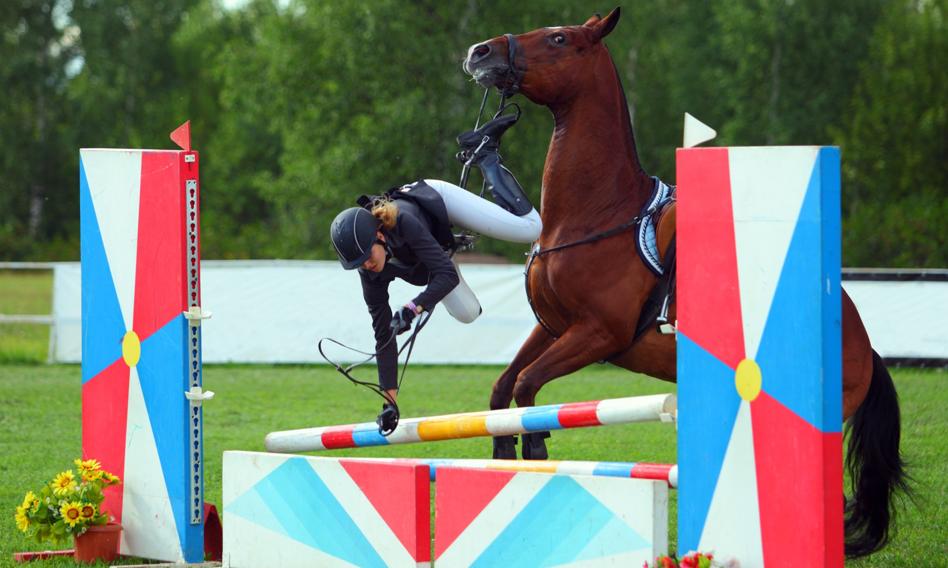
[401, 495]
[799, 495]
[103, 431]
[160, 264]
[709, 305]
[461, 494]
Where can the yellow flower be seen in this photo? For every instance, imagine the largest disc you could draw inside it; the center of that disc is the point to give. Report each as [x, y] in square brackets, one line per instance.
[91, 474]
[88, 511]
[87, 465]
[30, 499]
[64, 483]
[22, 521]
[72, 513]
[112, 479]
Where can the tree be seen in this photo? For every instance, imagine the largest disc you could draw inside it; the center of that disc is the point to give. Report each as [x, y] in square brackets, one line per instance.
[895, 142]
[35, 48]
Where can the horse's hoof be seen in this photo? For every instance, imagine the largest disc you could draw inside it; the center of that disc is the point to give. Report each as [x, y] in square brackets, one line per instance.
[504, 447]
[534, 446]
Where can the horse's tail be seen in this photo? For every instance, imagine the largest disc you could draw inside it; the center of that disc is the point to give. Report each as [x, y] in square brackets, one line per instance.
[875, 465]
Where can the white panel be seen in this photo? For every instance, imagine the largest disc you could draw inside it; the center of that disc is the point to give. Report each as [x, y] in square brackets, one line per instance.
[485, 528]
[248, 545]
[904, 319]
[768, 185]
[641, 503]
[732, 529]
[243, 470]
[287, 329]
[148, 521]
[65, 335]
[114, 178]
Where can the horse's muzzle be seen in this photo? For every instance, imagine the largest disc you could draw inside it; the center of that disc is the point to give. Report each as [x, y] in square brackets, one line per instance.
[486, 66]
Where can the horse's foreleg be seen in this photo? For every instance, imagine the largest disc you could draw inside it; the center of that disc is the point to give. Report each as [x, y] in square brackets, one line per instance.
[578, 347]
[537, 342]
[502, 394]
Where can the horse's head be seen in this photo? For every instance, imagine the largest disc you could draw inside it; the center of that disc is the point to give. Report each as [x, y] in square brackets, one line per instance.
[547, 65]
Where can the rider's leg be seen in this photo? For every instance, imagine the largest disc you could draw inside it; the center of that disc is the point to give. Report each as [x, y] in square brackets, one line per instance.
[469, 211]
[461, 302]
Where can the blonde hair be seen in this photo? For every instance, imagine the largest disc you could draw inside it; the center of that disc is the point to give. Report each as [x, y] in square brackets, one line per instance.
[385, 210]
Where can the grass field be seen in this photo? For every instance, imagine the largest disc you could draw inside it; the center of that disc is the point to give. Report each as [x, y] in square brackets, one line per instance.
[40, 423]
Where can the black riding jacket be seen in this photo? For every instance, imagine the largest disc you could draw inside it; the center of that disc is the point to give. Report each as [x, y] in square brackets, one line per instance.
[418, 258]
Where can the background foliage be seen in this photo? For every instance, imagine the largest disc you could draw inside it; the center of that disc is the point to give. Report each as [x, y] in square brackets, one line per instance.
[298, 106]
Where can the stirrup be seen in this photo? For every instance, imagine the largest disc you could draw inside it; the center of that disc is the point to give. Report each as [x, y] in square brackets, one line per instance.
[387, 420]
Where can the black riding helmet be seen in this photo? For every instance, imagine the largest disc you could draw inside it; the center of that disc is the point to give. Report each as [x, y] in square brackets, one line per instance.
[353, 234]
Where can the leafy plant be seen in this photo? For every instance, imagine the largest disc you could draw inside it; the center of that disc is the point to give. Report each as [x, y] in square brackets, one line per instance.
[67, 505]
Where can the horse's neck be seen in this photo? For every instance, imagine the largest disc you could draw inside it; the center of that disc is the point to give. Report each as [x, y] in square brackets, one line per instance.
[592, 174]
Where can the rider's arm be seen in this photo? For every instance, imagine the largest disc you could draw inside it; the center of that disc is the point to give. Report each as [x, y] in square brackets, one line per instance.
[375, 293]
[442, 276]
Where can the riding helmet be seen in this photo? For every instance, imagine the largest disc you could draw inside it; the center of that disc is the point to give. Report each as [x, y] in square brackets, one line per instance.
[353, 234]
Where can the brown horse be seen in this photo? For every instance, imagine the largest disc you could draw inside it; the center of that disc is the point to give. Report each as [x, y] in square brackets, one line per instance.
[589, 297]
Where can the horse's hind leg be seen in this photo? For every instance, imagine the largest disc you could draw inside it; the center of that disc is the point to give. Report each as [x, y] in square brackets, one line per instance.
[578, 347]
[502, 394]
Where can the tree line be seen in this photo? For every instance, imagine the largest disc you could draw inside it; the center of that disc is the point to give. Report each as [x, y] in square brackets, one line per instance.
[299, 106]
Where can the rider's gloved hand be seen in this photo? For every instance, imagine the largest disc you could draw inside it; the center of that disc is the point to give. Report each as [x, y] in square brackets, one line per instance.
[387, 419]
[402, 318]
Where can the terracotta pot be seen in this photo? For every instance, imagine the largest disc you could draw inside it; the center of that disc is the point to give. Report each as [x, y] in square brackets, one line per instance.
[99, 542]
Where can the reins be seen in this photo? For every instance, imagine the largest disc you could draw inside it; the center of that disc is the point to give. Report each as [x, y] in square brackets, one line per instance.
[346, 371]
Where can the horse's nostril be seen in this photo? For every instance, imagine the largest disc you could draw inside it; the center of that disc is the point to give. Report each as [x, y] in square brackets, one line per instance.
[480, 52]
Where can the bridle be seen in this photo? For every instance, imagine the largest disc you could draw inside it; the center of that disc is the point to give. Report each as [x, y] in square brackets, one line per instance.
[513, 49]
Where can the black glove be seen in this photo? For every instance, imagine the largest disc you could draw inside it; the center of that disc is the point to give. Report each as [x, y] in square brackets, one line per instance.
[387, 419]
[401, 319]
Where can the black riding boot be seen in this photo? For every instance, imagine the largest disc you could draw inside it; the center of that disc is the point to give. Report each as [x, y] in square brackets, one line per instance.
[504, 447]
[480, 148]
[534, 447]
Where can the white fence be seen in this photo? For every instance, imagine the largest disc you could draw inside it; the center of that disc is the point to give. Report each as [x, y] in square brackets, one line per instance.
[274, 312]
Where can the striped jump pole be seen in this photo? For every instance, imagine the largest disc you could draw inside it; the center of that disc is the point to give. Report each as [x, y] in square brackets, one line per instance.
[505, 422]
[635, 470]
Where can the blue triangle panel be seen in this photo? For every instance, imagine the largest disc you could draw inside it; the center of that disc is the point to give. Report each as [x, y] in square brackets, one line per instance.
[562, 523]
[163, 374]
[295, 502]
[803, 321]
[707, 409]
[102, 325]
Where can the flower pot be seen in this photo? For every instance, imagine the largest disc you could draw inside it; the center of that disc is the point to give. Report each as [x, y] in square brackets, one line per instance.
[99, 542]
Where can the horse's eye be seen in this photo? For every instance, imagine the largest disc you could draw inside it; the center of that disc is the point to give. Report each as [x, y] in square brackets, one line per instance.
[558, 39]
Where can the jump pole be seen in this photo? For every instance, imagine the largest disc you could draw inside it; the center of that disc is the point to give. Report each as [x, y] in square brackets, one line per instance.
[632, 470]
[506, 422]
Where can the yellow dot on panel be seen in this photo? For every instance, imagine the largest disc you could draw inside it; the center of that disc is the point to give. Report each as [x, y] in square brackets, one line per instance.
[131, 349]
[748, 379]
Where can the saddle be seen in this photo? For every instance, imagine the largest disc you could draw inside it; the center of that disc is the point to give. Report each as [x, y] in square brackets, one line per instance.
[655, 309]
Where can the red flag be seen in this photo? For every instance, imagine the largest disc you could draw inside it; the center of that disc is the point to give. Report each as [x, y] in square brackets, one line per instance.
[182, 136]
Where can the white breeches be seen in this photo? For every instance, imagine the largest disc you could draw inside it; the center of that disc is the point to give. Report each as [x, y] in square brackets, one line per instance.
[471, 212]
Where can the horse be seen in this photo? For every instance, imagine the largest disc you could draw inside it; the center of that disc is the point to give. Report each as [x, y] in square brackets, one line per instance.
[593, 181]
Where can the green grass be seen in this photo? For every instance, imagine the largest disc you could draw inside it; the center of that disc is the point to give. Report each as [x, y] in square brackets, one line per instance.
[25, 292]
[40, 422]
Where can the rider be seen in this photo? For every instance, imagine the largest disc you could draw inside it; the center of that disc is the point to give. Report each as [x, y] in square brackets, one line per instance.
[406, 234]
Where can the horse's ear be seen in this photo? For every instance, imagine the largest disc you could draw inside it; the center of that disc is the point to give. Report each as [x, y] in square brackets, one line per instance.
[606, 25]
[593, 20]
